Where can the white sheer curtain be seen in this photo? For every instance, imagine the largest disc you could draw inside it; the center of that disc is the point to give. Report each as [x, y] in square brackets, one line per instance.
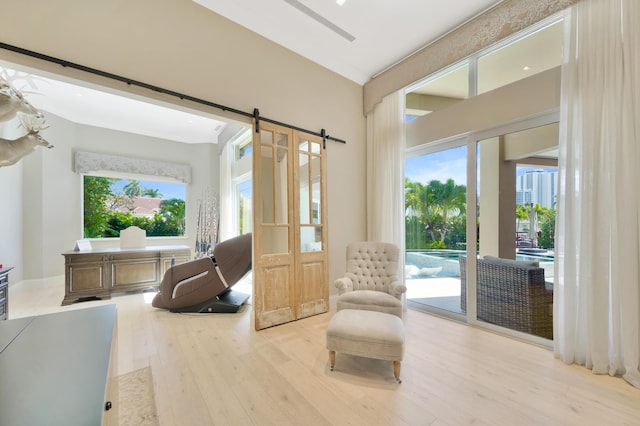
[226, 222]
[385, 171]
[596, 292]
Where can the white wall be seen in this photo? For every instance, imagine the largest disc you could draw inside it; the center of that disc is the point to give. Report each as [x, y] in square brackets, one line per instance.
[179, 45]
[11, 220]
[52, 192]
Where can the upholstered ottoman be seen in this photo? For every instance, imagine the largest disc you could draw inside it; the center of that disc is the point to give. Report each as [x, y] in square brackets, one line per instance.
[368, 334]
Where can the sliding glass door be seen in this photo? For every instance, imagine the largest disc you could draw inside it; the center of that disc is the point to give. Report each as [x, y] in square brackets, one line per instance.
[513, 283]
[479, 217]
[436, 226]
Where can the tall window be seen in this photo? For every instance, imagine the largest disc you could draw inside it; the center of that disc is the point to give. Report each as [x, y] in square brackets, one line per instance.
[112, 204]
[439, 91]
[244, 207]
[236, 163]
[532, 51]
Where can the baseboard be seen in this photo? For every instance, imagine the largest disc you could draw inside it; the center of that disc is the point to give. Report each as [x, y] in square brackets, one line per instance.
[37, 281]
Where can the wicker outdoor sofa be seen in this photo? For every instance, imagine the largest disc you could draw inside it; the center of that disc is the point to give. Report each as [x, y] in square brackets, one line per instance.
[511, 294]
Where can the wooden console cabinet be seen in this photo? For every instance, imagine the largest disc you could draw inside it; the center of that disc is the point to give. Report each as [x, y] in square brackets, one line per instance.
[101, 272]
[4, 293]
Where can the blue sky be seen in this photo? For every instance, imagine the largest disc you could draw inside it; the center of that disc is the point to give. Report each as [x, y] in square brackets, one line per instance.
[441, 165]
[168, 190]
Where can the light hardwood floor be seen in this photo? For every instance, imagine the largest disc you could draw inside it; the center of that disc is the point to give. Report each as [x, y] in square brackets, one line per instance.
[216, 370]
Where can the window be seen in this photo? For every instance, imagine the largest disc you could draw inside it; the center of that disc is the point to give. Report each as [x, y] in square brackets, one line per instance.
[511, 212]
[111, 204]
[243, 148]
[244, 208]
[531, 54]
[240, 192]
[438, 91]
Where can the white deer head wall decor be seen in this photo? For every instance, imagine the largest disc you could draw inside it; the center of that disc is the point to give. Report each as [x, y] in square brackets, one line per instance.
[11, 151]
[13, 104]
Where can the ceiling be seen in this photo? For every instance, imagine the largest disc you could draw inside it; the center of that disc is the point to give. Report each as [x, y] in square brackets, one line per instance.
[111, 109]
[357, 40]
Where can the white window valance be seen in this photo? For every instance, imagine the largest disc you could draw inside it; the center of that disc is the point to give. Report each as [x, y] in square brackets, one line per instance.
[88, 162]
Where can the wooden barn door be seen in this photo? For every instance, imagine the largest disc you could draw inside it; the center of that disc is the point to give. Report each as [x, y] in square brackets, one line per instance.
[289, 254]
[311, 226]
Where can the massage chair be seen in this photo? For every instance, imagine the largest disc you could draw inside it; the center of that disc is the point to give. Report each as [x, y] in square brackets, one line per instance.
[204, 284]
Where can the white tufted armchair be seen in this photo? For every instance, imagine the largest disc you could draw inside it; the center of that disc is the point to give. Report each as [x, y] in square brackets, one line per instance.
[371, 281]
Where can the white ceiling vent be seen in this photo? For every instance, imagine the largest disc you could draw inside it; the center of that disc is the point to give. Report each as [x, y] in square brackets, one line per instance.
[320, 19]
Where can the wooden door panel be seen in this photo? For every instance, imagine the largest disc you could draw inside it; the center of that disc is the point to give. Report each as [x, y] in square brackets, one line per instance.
[273, 255]
[274, 303]
[312, 287]
[277, 288]
[311, 225]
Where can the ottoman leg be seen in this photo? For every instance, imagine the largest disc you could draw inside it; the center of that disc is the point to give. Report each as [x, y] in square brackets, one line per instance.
[332, 359]
[396, 370]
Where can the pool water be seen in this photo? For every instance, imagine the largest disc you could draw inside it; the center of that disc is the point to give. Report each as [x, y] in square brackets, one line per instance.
[444, 263]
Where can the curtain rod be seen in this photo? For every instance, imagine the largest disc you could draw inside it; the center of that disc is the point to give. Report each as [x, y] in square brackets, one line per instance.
[255, 114]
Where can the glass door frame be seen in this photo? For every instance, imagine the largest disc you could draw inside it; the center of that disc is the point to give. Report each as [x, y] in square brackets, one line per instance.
[431, 148]
[473, 139]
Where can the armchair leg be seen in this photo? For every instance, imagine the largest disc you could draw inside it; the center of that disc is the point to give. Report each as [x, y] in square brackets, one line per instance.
[332, 359]
[396, 371]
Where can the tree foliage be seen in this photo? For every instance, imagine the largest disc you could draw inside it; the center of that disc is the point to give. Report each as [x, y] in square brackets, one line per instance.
[435, 214]
[548, 230]
[172, 212]
[151, 192]
[544, 223]
[522, 215]
[133, 189]
[103, 217]
[96, 192]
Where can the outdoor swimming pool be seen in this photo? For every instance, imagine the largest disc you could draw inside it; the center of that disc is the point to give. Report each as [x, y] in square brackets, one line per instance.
[543, 256]
[444, 263]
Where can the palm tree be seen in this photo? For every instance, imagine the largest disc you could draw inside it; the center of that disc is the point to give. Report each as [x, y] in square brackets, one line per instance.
[443, 200]
[522, 214]
[435, 204]
[412, 201]
[152, 193]
[133, 189]
[452, 199]
[416, 216]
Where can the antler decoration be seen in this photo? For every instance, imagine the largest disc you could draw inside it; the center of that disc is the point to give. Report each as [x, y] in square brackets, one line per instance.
[13, 104]
[33, 123]
[11, 151]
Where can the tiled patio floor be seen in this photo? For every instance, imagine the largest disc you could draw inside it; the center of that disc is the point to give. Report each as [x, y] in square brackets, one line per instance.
[443, 293]
[432, 287]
